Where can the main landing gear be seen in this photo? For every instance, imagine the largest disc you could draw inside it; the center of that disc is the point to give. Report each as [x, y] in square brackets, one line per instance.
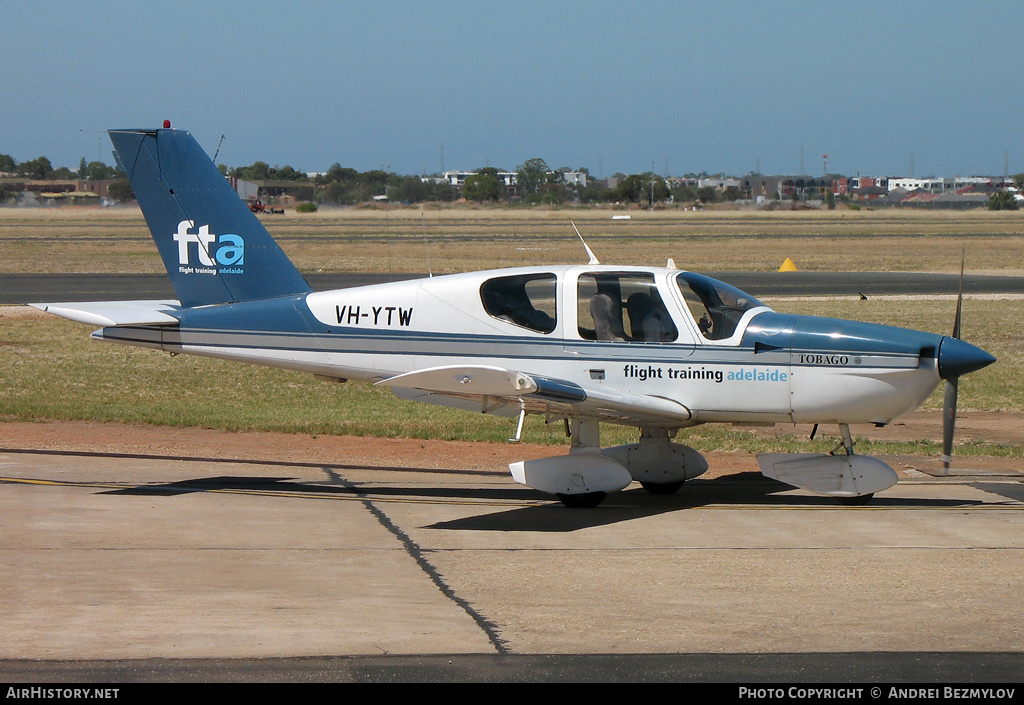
[585, 476]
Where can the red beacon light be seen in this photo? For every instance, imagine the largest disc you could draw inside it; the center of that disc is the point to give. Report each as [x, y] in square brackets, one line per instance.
[167, 124]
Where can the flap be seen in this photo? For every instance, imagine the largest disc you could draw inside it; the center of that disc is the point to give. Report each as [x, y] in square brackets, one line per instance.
[540, 394]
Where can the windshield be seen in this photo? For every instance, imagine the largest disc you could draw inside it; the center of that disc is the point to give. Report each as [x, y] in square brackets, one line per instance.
[716, 306]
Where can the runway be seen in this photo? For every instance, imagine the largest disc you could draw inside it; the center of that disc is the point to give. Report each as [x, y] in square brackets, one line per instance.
[33, 288]
[142, 566]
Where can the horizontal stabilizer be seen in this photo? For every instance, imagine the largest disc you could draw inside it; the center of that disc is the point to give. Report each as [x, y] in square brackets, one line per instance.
[116, 313]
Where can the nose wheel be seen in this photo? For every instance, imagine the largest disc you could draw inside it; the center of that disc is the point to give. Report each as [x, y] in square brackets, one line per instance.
[847, 446]
[588, 500]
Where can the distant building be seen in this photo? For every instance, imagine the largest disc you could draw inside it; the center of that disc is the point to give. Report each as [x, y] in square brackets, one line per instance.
[719, 183]
[506, 178]
[931, 185]
[757, 187]
[246, 190]
[575, 178]
[458, 178]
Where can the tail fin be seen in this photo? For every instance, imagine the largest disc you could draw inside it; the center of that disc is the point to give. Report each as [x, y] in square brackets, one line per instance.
[215, 249]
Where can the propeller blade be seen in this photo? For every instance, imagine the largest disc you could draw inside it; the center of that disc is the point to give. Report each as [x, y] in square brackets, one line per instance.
[949, 420]
[959, 298]
[953, 383]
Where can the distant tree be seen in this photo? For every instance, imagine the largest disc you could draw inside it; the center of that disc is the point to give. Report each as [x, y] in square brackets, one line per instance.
[630, 188]
[7, 164]
[594, 192]
[707, 194]
[98, 171]
[121, 191]
[287, 173]
[38, 168]
[339, 173]
[1002, 201]
[443, 191]
[408, 189]
[636, 188]
[81, 168]
[1018, 181]
[532, 174]
[661, 191]
[684, 193]
[258, 171]
[482, 187]
[375, 182]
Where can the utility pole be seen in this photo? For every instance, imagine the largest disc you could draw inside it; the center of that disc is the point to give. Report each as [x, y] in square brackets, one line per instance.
[652, 186]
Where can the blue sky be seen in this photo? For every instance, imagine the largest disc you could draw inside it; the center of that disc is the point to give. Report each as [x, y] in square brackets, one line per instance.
[610, 86]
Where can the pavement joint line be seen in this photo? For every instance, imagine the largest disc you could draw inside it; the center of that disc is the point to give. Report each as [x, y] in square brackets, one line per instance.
[416, 552]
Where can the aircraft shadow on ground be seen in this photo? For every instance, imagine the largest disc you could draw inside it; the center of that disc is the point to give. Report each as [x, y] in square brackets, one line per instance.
[746, 489]
[743, 490]
[247, 461]
[750, 490]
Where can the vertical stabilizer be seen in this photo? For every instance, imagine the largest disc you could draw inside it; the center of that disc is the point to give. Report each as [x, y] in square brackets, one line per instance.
[215, 249]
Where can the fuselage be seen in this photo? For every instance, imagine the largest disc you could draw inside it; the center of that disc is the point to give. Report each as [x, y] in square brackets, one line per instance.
[650, 331]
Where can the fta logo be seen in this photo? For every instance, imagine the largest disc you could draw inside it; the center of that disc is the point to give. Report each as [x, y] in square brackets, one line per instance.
[226, 250]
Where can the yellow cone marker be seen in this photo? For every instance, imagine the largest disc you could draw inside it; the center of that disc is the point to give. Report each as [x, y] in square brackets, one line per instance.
[788, 266]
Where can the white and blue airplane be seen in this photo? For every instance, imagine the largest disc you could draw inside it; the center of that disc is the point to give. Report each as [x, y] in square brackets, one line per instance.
[658, 349]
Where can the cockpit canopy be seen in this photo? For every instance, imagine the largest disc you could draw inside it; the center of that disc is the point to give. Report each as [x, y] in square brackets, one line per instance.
[526, 300]
[619, 305]
[622, 306]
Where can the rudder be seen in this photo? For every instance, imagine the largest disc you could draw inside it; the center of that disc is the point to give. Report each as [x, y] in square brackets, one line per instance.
[214, 248]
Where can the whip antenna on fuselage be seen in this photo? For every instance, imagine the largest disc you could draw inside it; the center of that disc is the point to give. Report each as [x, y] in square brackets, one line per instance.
[214, 160]
[590, 252]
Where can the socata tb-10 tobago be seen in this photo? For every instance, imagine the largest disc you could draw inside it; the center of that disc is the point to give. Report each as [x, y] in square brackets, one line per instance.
[659, 349]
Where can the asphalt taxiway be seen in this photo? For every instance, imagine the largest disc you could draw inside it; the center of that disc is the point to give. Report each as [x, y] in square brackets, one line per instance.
[146, 567]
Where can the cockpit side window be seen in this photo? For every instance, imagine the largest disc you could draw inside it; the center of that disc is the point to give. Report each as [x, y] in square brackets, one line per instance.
[622, 306]
[716, 306]
[526, 300]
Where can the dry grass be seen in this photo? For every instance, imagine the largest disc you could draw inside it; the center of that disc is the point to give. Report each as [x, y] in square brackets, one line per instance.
[451, 239]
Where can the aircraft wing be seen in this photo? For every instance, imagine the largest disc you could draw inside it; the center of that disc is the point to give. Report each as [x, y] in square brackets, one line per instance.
[115, 313]
[506, 392]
